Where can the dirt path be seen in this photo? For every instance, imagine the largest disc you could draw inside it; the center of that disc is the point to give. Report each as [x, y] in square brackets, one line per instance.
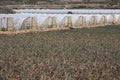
[27, 31]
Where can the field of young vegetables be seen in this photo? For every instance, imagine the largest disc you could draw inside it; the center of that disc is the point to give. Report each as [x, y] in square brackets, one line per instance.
[75, 54]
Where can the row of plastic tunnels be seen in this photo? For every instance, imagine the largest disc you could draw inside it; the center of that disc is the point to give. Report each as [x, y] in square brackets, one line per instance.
[8, 24]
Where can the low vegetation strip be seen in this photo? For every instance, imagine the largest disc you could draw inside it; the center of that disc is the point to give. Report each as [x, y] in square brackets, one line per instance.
[6, 10]
[77, 54]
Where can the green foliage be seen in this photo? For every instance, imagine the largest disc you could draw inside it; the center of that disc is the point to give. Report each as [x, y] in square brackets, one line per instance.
[77, 54]
[113, 2]
[3, 29]
[6, 10]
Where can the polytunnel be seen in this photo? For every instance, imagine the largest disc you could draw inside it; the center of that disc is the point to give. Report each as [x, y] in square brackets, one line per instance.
[80, 22]
[112, 19]
[74, 11]
[29, 23]
[6, 24]
[50, 22]
[117, 20]
[59, 19]
[66, 22]
[103, 21]
[93, 21]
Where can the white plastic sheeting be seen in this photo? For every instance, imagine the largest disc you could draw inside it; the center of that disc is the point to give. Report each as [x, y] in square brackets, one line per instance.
[106, 18]
[74, 11]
